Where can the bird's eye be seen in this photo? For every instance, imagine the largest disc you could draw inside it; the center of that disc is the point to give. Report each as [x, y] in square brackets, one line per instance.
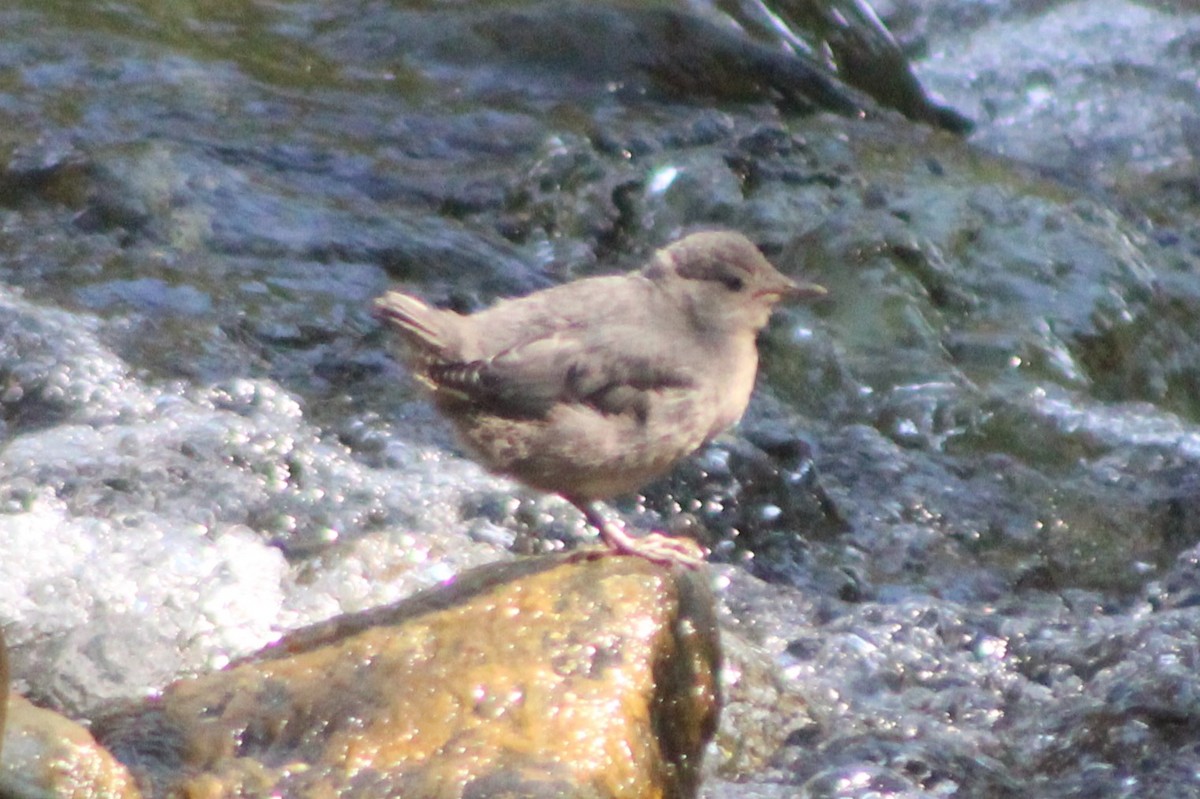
[733, 282]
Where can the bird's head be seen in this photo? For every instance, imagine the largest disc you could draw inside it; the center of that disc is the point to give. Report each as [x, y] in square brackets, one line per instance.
[724, 282]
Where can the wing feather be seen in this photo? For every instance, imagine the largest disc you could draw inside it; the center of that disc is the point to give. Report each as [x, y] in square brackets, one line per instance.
[614, 371]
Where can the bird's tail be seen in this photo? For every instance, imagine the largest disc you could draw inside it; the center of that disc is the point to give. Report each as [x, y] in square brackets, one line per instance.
[426, 329]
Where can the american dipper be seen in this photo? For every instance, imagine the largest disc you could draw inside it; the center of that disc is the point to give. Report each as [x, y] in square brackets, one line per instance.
[593, 388]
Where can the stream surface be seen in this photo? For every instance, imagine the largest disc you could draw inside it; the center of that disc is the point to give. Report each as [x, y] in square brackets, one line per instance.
[962, 513]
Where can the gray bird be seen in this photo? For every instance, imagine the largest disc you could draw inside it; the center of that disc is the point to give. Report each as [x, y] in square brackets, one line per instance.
[593, 388]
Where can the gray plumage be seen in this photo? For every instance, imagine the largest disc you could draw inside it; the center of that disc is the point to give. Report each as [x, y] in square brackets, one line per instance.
[593, 388]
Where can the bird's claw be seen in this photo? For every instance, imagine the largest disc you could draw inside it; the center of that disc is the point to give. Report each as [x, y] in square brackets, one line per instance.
[657, 548]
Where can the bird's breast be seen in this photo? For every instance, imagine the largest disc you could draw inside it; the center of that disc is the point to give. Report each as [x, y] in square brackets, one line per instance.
[732, 379]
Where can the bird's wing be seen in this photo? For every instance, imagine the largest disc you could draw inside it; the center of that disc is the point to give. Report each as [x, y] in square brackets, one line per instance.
[613, 369]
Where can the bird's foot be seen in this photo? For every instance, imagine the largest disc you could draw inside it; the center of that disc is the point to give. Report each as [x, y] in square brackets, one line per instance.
[663, 550]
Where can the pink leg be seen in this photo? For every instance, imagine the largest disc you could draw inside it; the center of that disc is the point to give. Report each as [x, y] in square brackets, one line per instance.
[655, 547]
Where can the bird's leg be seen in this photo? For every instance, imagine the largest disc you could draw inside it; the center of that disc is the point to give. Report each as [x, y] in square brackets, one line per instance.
[655, 547]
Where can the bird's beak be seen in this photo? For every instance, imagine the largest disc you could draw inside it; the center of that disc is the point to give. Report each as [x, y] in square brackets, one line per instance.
[790, 290]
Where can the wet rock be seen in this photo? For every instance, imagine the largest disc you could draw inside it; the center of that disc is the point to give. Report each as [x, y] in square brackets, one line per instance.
[763, 712]
[1000, 392]
[544, 677]
[1128, 706]
[671, 52]
[3, 689]
[859, 48]
[1087, 89]
[585, 51]
[158, 194]
[1180, 586]
[48, 755]
[896, 768]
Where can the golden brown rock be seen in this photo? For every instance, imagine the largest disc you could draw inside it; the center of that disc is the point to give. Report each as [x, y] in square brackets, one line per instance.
[544, 677]
[48, 755]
